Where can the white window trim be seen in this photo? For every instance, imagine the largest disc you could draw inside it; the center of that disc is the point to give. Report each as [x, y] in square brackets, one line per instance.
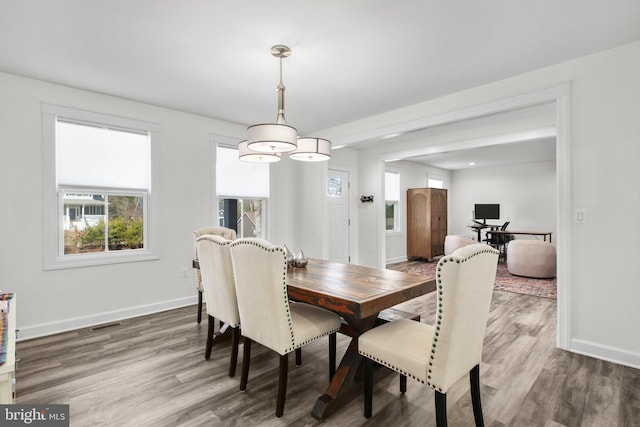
[52, 258]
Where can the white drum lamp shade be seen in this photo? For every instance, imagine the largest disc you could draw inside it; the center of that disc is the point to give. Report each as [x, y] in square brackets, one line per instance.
[312, 150]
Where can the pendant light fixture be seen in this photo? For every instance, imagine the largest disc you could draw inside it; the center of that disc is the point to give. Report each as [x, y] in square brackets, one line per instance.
[266, 141]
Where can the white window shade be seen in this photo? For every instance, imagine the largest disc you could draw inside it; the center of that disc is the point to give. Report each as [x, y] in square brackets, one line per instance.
[92, 156]
[235, 178]
[392, 186]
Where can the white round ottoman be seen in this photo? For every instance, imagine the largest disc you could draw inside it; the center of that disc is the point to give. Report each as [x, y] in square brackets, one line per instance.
[452, 242]
[531, 258]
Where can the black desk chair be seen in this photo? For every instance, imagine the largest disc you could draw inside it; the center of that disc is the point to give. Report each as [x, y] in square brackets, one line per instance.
[500, 241]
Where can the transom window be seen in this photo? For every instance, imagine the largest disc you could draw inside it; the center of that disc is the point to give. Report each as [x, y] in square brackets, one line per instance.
[435, 182]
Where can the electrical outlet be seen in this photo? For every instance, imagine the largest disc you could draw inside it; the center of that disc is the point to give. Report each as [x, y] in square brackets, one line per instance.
[580, 216]
[184, 272]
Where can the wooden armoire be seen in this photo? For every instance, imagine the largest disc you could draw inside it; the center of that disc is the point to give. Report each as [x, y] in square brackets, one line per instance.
[426, 222]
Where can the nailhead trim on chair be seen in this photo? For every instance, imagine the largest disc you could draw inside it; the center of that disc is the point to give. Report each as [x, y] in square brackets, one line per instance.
[388, 365]
[286, 299]
[441, 263]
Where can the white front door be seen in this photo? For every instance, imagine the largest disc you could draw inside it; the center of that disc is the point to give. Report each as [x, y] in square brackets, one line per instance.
[338, 208]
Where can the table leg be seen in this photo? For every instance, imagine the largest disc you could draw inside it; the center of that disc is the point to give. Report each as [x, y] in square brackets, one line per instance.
[347, 381]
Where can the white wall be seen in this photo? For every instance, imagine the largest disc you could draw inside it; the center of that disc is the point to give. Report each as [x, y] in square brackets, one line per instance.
[370, 215]
[309, 207]
[526, 193]
[412, 175]
[282, 212]
[51, 301]
[603, 291]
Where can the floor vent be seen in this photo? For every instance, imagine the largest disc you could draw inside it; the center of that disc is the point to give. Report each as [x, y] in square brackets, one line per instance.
[105, 326]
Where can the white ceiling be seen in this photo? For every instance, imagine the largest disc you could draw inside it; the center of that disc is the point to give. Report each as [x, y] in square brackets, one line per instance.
[350, 59]
[536, 150]
[523, 135]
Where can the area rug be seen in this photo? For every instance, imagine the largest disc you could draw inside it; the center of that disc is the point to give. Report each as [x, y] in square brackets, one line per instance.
[505, 281]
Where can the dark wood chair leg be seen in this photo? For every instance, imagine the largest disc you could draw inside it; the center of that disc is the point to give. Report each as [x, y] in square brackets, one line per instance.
[298, 356]
[210, 335]
[199, 306]
[441, 409]
[474, 378]
[235, 342]
[368, 387]
[403, 383]
[332, 355]
[246, 355]
[282, 384]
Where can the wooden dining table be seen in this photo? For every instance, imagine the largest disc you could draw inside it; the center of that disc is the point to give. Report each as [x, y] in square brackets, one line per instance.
[358, 294]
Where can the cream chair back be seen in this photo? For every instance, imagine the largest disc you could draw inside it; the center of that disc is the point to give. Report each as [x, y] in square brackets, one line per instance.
[227, 233]
[260, 270]
[217, 278]
[464, 283]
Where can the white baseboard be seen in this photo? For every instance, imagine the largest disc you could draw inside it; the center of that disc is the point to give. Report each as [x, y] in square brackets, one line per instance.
[29, 332]
[398, 259]
[604, 352]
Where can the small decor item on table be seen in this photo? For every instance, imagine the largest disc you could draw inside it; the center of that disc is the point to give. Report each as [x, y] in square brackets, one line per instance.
[289, 255]
[300, 261]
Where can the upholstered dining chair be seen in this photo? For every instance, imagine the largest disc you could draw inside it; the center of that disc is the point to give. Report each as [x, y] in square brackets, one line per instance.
[266, 314]
[219, 291]
[225, 232]
[440, 354]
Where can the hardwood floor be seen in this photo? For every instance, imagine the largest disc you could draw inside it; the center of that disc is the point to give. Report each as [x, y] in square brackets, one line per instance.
[151, 371]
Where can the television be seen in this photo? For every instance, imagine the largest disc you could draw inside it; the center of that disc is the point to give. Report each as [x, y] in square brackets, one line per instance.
[486, 211]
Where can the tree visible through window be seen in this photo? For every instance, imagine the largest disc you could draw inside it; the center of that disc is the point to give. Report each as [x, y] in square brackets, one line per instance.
[88, 228]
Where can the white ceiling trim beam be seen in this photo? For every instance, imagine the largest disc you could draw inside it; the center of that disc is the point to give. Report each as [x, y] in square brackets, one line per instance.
[486, 141]
[371, 128]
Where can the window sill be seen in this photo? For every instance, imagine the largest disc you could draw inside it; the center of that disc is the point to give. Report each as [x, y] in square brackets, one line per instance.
[392, 233]
[88, 260]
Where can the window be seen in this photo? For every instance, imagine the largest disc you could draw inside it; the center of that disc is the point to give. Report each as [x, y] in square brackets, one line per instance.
[392, 199]
[102, 222]
[98, 199]
[334, 187]
[435, 182]
[243, 192]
